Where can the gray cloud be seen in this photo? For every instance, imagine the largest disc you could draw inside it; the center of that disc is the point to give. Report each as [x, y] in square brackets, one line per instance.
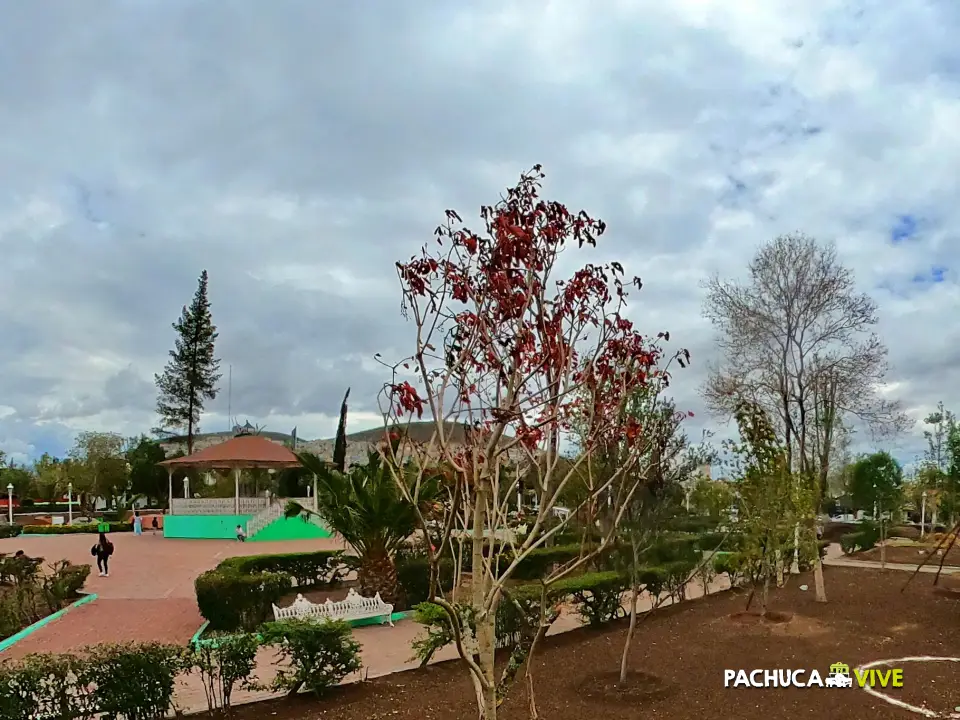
[297, 149]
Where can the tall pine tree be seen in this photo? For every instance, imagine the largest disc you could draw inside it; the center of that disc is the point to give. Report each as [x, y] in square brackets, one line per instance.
[191, 375]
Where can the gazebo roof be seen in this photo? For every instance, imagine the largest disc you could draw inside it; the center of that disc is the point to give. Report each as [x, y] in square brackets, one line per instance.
[246, 451]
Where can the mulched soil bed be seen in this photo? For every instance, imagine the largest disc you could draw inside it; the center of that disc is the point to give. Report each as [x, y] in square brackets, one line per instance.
[678, 659]
[911, 555]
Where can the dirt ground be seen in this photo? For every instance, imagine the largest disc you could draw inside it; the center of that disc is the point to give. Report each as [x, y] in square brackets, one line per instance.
[912, 555]
[679, 656]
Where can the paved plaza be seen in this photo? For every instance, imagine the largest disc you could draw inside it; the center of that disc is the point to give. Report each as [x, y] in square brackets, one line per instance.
[149, 594]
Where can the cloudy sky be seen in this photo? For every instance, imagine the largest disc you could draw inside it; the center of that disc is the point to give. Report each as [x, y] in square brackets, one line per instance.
[297, 149]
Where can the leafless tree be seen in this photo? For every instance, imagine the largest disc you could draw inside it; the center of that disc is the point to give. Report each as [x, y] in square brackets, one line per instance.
[797, 339]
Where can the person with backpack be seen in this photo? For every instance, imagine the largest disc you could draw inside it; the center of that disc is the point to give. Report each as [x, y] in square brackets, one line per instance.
[102, 551]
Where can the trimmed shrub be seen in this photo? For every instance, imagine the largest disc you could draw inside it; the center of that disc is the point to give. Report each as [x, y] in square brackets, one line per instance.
[692, 524]
[324, 567]
[230, 600]
[905, 531]
[597, 597]
[75, 529]
[413, 574]
[731, 563]
[320, 654]
[672, 548]
[864, 539]
[9, 531]
[538, 563]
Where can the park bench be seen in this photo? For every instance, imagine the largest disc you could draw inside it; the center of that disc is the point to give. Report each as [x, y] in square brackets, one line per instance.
[352, 607]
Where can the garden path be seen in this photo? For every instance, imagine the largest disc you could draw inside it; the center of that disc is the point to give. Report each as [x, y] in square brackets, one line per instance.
[149, 595]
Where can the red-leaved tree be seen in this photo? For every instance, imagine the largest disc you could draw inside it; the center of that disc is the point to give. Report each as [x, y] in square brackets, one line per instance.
[508, 358]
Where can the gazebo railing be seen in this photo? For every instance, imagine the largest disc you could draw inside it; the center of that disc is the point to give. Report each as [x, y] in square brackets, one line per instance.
[218, 506]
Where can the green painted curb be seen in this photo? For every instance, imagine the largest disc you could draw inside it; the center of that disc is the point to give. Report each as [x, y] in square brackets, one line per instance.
[378, 620]
[14, 639]
[195, 640]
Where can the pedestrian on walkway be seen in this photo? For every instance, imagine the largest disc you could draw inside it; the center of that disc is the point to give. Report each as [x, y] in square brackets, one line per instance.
[156, 524]
[137, 523]
[102, 552]
[241, 534]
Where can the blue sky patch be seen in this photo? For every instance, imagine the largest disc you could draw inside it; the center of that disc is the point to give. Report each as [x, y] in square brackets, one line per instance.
[903, 229]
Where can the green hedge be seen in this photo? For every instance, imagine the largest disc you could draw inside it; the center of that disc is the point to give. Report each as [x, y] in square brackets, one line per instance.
[231, 600]
[8, 531]
[75, 529]
[323, 567]
[539, 562]
[413, 574]
[692, 524]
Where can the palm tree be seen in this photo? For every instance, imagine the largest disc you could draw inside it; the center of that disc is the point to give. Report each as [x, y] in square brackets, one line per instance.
[368, 510]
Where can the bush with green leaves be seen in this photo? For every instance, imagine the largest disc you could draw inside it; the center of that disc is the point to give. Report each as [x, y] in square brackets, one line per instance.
[308, 569]
[32, 592]
[120, 682]
[91, 528]
[672, 547]
[538, 563]
[43, 686]
[9, 531]
[133, 681]
[597, 597]
[856, 542]
[224, 664]
[413, 575]
[230, 600]
[320, 654]
[731, 564]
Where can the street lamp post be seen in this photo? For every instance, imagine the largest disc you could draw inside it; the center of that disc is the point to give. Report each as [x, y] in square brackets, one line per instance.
[70, 503]
[874, 501]
[923, 512]
[10, 502]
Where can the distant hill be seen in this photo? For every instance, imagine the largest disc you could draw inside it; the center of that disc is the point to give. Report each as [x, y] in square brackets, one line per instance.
[417, 431]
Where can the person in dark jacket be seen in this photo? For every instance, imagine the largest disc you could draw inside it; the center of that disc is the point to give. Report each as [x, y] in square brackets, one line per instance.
[102, 551]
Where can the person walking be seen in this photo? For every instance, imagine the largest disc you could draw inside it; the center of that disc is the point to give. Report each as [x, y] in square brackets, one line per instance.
[137, 523]
[102, 551]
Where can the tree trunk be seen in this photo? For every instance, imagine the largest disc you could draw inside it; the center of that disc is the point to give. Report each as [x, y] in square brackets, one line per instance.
[485, 686]
[883, 546]
[764, 597]
[780, 566]
[378, 574]
[634, 595]
[486, 643]
[819, 589]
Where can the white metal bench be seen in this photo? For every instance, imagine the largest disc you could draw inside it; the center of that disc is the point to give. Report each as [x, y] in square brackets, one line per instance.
[352, 607]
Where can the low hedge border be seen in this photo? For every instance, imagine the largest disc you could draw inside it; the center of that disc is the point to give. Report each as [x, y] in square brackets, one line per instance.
[75, 529]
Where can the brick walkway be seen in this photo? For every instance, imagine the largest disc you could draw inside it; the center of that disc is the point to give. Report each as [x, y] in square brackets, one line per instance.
[149, 594]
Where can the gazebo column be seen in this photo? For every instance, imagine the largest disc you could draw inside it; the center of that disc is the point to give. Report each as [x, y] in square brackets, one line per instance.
[170, 479]
[316, 506]
[236, 491]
